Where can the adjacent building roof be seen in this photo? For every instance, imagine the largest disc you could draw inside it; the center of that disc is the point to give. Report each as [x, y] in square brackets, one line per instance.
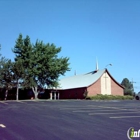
[83, 80]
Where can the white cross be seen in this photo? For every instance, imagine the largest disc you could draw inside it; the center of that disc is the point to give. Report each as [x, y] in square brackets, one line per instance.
[105, 81]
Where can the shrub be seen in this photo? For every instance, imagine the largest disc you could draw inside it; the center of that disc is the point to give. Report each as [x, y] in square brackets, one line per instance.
[110, 97]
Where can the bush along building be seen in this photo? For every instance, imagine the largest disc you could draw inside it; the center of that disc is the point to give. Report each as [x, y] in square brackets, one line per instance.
[92, 83]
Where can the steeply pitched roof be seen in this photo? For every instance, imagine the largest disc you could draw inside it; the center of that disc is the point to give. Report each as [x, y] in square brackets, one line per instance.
[83, 80]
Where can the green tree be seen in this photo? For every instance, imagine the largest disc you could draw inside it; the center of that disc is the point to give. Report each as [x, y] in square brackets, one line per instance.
[40, 63]
[11, 74]
[5, 73]
[6, 76]
[129, 90]
[17, 75]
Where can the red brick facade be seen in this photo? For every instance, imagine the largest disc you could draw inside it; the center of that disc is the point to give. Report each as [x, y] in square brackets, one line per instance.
[116, 89]
[94, 89]
[77, 93]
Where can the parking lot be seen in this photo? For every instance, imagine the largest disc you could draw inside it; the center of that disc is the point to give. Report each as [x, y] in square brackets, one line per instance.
[68, 119]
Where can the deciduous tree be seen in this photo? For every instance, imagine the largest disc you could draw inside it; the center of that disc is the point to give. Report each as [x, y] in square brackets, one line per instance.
[129, 90]
[41, 63]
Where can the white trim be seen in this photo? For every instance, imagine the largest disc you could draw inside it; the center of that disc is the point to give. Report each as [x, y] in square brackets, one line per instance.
[105, 84]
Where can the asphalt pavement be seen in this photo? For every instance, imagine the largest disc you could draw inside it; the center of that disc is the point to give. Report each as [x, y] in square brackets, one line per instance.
[68, 119]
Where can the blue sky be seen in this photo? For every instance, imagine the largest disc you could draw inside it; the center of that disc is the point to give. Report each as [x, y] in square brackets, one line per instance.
[85, 29]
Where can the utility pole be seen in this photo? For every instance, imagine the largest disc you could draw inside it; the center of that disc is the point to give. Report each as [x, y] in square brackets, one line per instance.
[75, 72]
[132, 82]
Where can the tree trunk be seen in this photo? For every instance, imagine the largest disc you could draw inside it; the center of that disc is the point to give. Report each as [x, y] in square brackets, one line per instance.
[17, 92]
[6, 94]
[35, 92]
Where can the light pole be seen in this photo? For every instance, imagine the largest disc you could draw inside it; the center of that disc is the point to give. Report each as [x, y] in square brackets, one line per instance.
[108, 65]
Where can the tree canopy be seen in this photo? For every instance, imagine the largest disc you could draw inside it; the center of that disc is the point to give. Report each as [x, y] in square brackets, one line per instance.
[5, 72]
[129, 90]
[39, 63]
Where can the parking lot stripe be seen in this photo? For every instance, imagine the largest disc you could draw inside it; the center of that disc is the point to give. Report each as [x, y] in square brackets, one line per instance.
[114, 113]
[120, 117]
[3, 102]
[21, 102]
[113, 107]
[97, 111]
[94, 110]
[3, 126]
[78, 111]
[118, 108]
[72, 108]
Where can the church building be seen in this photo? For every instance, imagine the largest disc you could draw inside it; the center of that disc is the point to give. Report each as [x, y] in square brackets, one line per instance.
[92, 83]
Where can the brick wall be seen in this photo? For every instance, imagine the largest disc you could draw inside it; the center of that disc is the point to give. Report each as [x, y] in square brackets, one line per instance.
[76, 93]
[116, 89]
[95, 88]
